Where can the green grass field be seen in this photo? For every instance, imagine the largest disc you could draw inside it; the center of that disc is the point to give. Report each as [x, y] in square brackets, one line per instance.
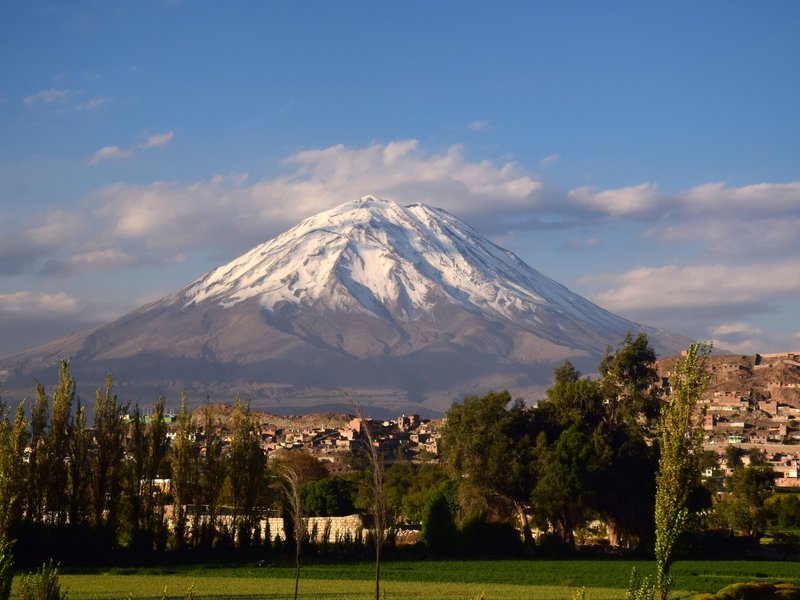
[511, 579]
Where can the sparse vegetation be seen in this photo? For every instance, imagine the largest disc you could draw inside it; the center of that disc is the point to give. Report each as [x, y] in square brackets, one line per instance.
[41, 585]
[6, 569]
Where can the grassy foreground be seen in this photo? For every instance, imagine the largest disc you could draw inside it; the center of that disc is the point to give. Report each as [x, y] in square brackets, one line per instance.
[508, 579]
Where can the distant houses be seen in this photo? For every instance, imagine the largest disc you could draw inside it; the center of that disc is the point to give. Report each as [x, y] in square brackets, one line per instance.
[753, 402]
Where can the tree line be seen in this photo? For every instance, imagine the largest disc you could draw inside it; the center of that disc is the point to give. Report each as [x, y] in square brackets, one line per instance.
[67, 486]
[588, 453]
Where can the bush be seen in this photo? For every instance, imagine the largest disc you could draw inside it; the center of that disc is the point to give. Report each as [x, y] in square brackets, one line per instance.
[755, 591]
[480, 538]
[438, 524]
[41, 585]
[6, 574]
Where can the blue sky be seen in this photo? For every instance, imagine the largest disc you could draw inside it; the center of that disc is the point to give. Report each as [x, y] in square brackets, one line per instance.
[646, 155]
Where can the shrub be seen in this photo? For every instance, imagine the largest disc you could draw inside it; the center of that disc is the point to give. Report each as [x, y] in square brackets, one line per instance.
[41, 585]
[438, 525]
[6, 574]
[480, 538]
[640, 589]
[755, 591]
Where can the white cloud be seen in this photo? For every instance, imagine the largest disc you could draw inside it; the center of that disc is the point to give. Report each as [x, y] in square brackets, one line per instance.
[549, 160]
[39, 303]
[744, 338]
[728, 236]
[90, 261]
[49, 96]
[736, 328]
[479, 125]
[31, 318]
[227, 208]
[635, 201]
[578, 245]
[762, 199]
[108, 153]
[116, 152]
[748, 288]
[55, 227]
[156, 140]
[446, 179]
[93, 103]
[709, 200]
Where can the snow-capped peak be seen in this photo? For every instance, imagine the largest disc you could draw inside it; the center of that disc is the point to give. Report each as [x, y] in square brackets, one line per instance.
[393, 261]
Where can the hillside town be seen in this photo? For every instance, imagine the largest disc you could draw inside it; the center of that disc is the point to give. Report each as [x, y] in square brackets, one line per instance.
[333, 438]
[753, 403]
[329, 437]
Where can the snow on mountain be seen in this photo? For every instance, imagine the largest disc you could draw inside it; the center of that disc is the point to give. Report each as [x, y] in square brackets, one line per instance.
[376, 256]
[404, 307]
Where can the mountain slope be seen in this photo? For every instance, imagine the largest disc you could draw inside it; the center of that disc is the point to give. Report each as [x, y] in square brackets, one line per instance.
[403, 307]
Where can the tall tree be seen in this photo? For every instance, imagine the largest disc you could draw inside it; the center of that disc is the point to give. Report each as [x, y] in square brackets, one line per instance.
[79, 472]
[377, 492]
[38, 458]
[147, 449]
[628, 376]
[616, 413]
[109, 435]
[156, 457]
[743, 509]
[327, 497]
[247, 471]
[213, 470]
[489, 449]
[58, 450]
[680, 441]
[294, 504]
[562, 492]
[184, 461]
[137, 451]
[13, 474]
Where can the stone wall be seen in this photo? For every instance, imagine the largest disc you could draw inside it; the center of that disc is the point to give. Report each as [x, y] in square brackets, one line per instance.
[337, 528]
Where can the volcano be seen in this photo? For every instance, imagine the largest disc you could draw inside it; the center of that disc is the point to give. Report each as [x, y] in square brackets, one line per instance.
[402, 308]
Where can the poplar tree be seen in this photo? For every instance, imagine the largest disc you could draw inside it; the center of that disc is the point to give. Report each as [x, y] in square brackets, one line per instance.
[57, 445]
[79, 472]
[156, 453]
[109, 434]
[38, 463]
[13, 474]
[183, 458]
[213, 470]
[247, 470]
[680, 440]
[137, 449]
[147, 448]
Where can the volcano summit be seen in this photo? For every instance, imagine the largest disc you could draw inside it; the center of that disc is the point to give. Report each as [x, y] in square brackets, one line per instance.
[405, 308]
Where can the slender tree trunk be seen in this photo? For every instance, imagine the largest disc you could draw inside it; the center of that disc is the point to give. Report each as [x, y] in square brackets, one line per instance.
[523, 521]
[613, 533]
[296, 571]
[377, 575]
[299, 522]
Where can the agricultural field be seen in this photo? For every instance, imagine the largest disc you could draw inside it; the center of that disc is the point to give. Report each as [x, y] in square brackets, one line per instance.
[456, 580]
